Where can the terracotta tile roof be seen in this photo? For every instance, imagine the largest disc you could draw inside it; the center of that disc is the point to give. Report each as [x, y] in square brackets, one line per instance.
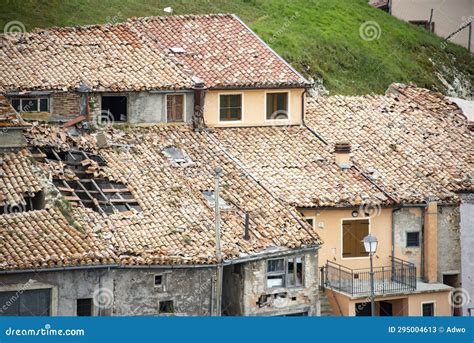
[415, 142]
[105, 57]
[41, 239]
[221, 50]
[8, 116]
[294, 164]
[136, 55]
[17, 179]
[176, 225]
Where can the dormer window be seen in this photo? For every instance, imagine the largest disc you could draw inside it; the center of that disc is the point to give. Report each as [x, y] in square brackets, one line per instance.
[211, 200]
[30, 104]
[230, 107]
[277, 106]
[178, 157]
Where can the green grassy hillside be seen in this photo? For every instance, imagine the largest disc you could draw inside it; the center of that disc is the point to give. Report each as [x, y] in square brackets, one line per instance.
[321, 38]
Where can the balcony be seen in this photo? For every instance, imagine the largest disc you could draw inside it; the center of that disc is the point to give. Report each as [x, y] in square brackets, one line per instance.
[395, 279]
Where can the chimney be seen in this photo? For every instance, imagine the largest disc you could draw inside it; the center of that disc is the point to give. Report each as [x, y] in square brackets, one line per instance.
[199, 93]
[342, 152]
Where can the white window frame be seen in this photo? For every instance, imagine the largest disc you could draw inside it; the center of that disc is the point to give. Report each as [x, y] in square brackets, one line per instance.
[342, 238]
[219, 108]
[184, 107]
[428, 302]
[38, 100]
[265, 107]
[285, 272]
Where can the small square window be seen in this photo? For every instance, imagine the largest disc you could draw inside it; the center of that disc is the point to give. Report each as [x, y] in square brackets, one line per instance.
[84, 307]
[166, 306]
[277, 106]
[230, 107]
[158, 280]
[428, 310]
[413, 239]
[44, 105]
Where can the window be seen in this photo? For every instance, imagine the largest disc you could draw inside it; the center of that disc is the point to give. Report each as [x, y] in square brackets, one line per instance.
[175, 107]
[178, 157]
[353, 232]
[230, 107]
[284, 272]
[28, 303]
[166, 306]
[428, 309]
[211, 200]
[310, 221]
[413, 239]
[84, 307]
[30, 104]
[114, 108]
[277, 106]
[158, 280]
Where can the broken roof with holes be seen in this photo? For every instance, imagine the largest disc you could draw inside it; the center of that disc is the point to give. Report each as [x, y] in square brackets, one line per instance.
[298, 167]
[414, 142]
[172, 222]
[143, 54]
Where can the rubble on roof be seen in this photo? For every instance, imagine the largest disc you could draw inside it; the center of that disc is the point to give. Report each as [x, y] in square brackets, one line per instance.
[413, 141]
[9, 117]
[176, 224]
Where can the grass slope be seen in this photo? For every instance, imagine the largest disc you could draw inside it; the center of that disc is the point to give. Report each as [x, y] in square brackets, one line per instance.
[319, 37]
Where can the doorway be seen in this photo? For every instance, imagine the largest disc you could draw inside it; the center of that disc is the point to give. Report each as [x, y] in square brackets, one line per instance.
[453, 281]
[386, 309]
[116, 106]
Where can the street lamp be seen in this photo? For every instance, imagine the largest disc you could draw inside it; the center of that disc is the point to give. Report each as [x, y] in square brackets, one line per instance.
[370, 245]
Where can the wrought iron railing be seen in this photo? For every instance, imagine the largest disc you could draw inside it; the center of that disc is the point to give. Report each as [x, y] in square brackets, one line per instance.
[398, 278]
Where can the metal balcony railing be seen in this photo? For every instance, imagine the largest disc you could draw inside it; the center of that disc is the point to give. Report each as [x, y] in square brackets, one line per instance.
[398, 278]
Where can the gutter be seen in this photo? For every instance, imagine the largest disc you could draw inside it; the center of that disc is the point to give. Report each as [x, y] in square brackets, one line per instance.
[160, 266]
[393, 235]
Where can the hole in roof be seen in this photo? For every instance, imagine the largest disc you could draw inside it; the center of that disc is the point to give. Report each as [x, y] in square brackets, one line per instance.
[99, 194]
[177, 157]
[211, 200]
[177, 50]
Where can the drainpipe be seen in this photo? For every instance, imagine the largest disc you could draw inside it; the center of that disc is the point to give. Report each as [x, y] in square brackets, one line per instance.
[302, 105]
[217, 176]
[422, 243]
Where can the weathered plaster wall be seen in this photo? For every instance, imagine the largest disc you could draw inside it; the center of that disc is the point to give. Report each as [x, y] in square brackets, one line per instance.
[297, 299]
[408, 220]
[449, 244]
[328, 225]
[123, 291]
[467, 251]
[12, 138]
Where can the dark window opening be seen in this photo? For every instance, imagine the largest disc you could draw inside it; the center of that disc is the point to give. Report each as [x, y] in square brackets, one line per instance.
[27, 303]
[175, 107]
[84, 307]
[115, 107]
[413, 239]
[277, 106]
[310, 221]
[428, 310]
[230, 107]
[158, 280]
[36, 202]
[166, 306]
[363, 309]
